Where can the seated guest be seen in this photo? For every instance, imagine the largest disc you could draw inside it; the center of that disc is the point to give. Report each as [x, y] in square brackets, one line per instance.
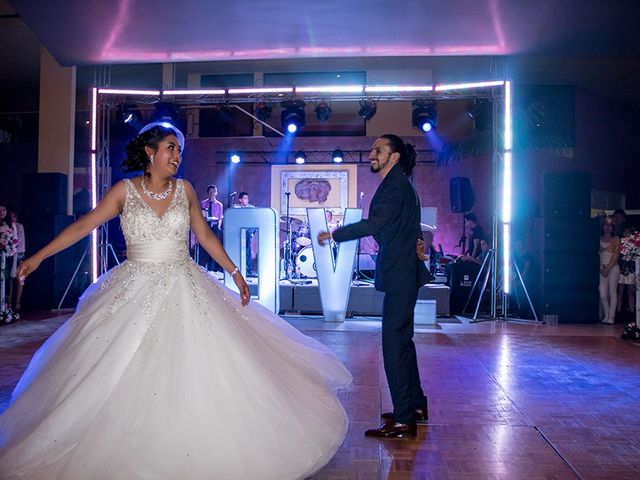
[477, 234]
[485, 247]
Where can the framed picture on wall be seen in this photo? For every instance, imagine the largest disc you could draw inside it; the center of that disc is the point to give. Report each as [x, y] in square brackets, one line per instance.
[313, 186]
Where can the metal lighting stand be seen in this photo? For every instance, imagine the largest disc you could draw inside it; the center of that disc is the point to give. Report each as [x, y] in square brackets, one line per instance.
[483, 279]
[103, 182]
[289, 266]
[492, 268]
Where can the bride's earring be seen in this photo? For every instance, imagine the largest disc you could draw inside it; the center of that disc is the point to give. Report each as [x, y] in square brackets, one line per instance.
[151, 159]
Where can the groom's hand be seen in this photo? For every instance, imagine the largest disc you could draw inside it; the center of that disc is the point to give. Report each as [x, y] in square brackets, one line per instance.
[323, 237]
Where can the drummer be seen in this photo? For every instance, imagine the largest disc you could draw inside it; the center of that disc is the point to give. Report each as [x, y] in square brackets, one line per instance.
[213, 210]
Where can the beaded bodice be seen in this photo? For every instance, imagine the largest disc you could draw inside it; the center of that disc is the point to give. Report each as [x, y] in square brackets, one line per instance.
[140, 224]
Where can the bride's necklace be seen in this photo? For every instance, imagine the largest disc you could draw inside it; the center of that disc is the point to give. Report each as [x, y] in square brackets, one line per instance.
[157, 196]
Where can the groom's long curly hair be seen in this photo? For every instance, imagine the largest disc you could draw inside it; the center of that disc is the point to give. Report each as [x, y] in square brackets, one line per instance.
[406, 150]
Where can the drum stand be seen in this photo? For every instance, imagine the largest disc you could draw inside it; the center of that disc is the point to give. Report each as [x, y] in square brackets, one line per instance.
[289, 264]
[485, 273]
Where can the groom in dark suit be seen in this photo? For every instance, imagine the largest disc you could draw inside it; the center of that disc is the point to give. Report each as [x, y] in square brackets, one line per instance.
[394, 222]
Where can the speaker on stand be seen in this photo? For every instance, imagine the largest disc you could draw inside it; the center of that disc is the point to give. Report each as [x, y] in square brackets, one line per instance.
[461, 198]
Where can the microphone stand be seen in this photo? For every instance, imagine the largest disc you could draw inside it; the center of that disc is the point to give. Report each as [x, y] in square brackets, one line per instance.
[288, 254]
[463, 239]
[358, 277]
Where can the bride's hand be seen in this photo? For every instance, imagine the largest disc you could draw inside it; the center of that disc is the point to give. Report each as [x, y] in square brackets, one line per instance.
[245, 295]
[26, 268]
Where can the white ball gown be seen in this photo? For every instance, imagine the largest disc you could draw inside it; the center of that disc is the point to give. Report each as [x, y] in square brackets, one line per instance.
[162, 374]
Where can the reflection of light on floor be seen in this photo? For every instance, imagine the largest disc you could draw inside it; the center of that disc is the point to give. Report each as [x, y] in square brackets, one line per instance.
[503, 372]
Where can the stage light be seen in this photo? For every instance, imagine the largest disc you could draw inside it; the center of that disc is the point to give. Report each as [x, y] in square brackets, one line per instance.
[481, 111]
[323, 111]
[130, 115]
[165, 111]
[424, 115]
[263, 111]
[301, 157]
[337, 156]
[234, 157]
[293, 116]
[368, 109]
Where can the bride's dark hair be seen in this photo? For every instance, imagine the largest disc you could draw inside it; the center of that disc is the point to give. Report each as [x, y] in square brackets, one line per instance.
[137, 159]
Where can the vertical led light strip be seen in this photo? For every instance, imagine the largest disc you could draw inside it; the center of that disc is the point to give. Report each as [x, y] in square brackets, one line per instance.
[507, 175]
[94, 176]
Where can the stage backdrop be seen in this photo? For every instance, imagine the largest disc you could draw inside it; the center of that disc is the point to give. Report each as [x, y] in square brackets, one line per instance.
[333, 187]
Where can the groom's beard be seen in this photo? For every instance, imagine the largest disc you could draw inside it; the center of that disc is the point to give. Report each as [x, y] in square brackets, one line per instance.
[374, 168]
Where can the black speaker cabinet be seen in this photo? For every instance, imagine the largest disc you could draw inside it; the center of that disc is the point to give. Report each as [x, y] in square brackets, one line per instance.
[461, 195]
[579, 270]
[45, 286]
[572, 305]
[44, 194]
[461, 276]
[567, 194]
[571, 234]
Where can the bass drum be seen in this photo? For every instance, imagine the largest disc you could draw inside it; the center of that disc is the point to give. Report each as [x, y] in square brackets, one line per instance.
[306, 263]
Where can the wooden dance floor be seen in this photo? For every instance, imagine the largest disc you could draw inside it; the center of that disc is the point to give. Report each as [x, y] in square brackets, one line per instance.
[507, 401]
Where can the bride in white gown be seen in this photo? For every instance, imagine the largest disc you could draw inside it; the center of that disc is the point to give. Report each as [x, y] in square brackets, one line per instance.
[162, 372]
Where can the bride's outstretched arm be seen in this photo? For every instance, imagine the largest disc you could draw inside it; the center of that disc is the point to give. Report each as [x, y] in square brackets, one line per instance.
[110, 206]
[211, 243]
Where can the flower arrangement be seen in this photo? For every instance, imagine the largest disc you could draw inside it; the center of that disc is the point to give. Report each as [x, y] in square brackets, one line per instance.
[8, 240]
[9, 316]
[630, 247]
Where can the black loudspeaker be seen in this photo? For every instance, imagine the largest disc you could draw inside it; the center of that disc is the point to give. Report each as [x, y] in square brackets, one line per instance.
[461, 195]
[44, 193]
[461, 276]
[567, 194]
[565, 270]
[572, 305]
[45, 287]
[576, 235]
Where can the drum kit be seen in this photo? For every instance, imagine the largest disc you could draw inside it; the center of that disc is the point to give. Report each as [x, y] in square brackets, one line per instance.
[298, 260]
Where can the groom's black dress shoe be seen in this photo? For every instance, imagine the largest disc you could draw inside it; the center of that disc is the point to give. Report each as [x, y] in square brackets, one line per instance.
[393, 429]
[422, 415]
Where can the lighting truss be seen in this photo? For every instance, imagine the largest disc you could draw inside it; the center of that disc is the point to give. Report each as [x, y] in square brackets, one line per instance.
[498, 90]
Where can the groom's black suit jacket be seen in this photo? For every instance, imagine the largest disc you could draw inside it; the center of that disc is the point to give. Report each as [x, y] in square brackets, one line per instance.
[394, 222]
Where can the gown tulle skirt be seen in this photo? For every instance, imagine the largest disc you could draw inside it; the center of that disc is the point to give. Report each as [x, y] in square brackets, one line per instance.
[162, 374]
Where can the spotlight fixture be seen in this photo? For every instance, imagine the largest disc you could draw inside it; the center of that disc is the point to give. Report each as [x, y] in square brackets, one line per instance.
[222, 112]
[337, 156]
[293, 116]
[234, 157]
[368, 108]
[425, 114]
[130, 115]
[323, 111]
[481, 111]
[301, 157]
[263, 111]
[165, 111]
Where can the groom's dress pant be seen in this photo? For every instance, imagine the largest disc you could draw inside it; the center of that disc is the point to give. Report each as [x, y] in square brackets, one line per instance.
[399, 354]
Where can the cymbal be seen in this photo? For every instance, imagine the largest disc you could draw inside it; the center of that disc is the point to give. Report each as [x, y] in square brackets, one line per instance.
[427, 227]
[292, 220]
[212, 219]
